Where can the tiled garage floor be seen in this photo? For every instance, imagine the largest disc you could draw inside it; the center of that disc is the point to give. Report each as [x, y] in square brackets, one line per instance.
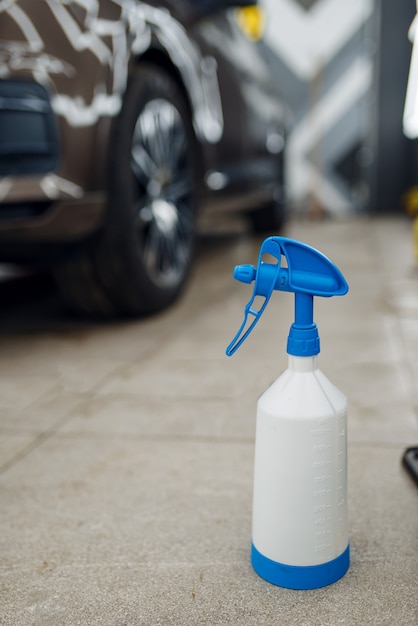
[127, 449]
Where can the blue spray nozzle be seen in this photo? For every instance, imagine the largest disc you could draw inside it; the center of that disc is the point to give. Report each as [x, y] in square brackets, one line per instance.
[244, 273]
[306, 272]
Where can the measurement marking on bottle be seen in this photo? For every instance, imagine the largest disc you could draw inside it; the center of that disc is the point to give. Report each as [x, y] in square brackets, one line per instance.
[321, 464]
[320, 493]
[321, 508]
[323, 478]
[320, 432]
[322, 547]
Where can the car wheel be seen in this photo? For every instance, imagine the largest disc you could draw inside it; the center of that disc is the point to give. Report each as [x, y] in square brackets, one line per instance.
[142, 258]
[272, 215]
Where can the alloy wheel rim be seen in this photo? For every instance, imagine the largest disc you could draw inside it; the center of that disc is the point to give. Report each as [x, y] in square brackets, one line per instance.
[164, 192]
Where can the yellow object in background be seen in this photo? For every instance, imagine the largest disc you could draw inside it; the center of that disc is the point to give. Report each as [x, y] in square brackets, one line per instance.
[251, 20]
[411, 204]
[415, 232]
[411, 201]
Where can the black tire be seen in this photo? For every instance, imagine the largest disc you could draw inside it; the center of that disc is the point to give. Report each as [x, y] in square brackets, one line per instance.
[269, 218]
[141, 260]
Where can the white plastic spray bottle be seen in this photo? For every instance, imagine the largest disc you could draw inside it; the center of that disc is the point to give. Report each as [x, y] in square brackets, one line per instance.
[300, 526]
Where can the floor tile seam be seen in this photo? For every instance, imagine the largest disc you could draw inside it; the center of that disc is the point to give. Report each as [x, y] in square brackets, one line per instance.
[127, 565]
[83, 399]
[43, 436]
[377, 445]
[23, 453]
[148, 437]
[177, 398]
[143, 360]
[167, 398]
[55, 389]
[149, 358]
[408, 364]
[52, 393]
[393, 316]
[358, 558]
[383, 445]
[402, 361]
[220, 299]
[80, 434]
[23, 431]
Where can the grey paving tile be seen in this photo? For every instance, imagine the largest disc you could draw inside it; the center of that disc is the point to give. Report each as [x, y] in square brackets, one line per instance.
[18, 392]
[153, 532]
[129, 498]
[41, 414]
[135, 595]
[383, 505]
[71, 370]
[13, 444]
[177, 378]
[380, 408]
[119, 500]
[128, 414]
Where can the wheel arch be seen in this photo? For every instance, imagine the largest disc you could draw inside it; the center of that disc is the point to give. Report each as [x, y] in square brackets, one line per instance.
[157, 57]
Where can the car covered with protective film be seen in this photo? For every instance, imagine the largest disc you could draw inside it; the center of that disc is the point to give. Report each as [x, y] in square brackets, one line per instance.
[122, 120]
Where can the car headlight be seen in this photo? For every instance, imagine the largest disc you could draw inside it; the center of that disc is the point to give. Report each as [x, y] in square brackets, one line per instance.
[251, 20]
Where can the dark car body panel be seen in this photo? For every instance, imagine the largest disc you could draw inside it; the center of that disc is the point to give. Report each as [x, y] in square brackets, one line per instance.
[81, 55]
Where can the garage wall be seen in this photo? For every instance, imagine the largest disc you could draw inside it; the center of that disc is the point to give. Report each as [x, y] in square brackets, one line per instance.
[326, 56]
[396, 167]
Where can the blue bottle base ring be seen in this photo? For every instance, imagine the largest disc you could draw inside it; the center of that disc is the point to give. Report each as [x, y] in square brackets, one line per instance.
[300, 577]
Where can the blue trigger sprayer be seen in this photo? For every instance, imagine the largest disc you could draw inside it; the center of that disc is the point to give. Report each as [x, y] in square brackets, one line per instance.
[300, 525]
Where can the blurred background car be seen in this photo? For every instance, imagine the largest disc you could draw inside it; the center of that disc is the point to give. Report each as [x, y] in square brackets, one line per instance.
[120, 120]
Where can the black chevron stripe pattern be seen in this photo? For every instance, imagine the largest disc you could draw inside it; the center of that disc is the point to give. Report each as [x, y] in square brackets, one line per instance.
[322, 55]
